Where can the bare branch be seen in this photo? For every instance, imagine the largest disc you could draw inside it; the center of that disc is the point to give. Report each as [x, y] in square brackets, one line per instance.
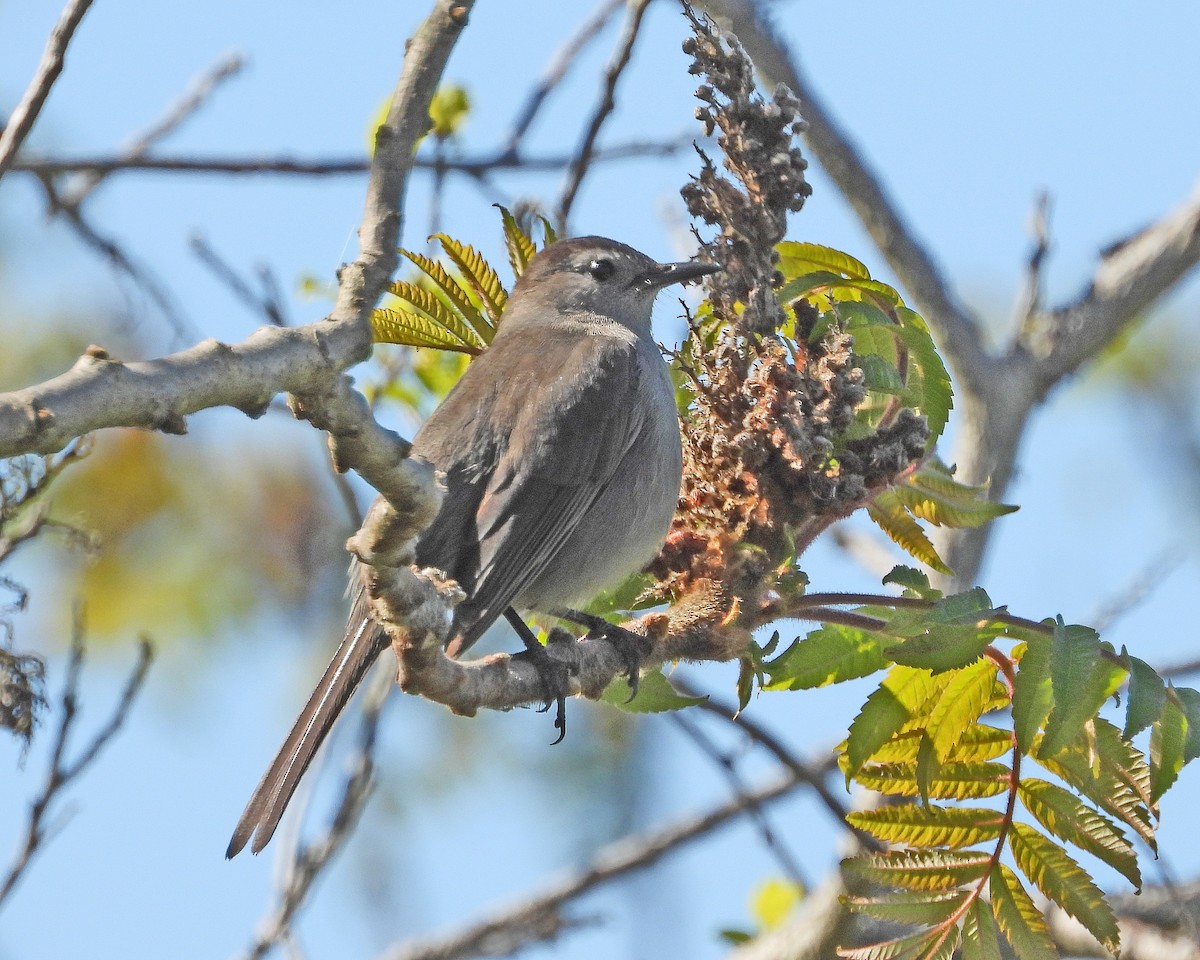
[267, 304]
[51, 65]
[587, 146]
[538, 918]
[61, 772]
[558, 68]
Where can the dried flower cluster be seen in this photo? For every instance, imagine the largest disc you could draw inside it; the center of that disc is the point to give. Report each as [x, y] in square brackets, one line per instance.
[766, 462]
[751, 213]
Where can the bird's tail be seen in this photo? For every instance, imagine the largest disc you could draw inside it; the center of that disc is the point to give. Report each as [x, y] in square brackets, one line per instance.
[363, 643]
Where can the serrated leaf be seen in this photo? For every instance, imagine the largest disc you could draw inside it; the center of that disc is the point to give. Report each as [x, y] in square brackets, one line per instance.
[935, 395]
[655, 695]
[1114, 775]
[980, 941]
[903, 694]
[943, 510]
[427, 302]
[455, 292]
[1069, 819]
[412, 329]
[1081, 679]
[1167, 737]
[1021, 922]
[1146, 696]
[1032, 694]
[959, 705]
[919, 825]
[978, 742]
[952, 781]
[919, 869]
[480, 276]
[891, 517]
[1064, 882]
[917, 908]
[942, 647]
[829, 655]
[935, 944]
[519, 244]
[915, 582]
[1189, 703]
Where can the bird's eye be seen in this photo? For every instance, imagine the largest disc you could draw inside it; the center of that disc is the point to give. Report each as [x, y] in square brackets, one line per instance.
[601, 269]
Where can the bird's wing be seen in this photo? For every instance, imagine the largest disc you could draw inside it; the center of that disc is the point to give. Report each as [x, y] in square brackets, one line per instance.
[565, 439]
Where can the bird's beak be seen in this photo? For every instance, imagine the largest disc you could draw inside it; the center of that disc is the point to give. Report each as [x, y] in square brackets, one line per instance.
[664, 274]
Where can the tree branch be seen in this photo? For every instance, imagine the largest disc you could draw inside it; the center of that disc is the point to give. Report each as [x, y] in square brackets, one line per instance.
[51, 65]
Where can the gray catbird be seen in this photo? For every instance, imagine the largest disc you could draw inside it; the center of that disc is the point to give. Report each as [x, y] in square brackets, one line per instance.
[562, 462]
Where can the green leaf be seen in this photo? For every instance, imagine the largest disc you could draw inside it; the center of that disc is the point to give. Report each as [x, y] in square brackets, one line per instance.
[455, 292]
[903, 694]
[943, 647]
[1110, 772]
[829, 655]
[1064, 882]
[1022, 923]
[480, 276]
[916, 908]
[796, 258]
[519, 244]
[935, 944]
[920, 825]
[919, 869]
[980, 941]
[408, 328]
[773, 901]
[960, 704]
[1081, 679]
[915, 582]
[1032, 694]
[891, 517]
[655, 695]
[1069, 819]
[951, 781]
[1146, 696]
[1189, 702]
[935, 396]
[427, 302]
[448, 110]
[977, 742]
[1167, 737]
[963, 508]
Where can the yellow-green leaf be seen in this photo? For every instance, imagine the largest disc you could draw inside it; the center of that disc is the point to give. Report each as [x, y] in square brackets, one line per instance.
[979, 938]
[654, 695]
[960, 704]
[414, 330]
[888, 512]
[448, 110]
[902, 695]
[951, 781]
[919, 869]
[918, 908]
[921, 825]
[1167, 737]
[1069, 819]
[483, 280]
[935, 944]
[978, 741]
[1032, 695]
[829, 655]
[519, 244]
[773, 901]
[1146, 696]
[797, 258]
[428, 303]
[455, 292]
[1064, 882]
[1022, 923]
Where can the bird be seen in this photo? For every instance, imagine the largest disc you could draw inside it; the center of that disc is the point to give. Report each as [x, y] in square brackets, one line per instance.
[562, 462]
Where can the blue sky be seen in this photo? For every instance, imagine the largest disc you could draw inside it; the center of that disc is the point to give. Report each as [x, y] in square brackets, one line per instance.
[967, 113]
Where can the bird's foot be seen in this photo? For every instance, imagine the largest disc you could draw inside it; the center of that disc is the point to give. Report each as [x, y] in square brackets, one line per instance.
[555, 674]
[632, 647]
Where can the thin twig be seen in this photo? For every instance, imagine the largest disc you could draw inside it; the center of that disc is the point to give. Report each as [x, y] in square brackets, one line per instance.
[725, 763]
[557, 69]
[194, 97]
[266, 304]
[538, 918]
[48, 69]
[587, 146]
[1029, 302]
[62, 773]
[470, 166]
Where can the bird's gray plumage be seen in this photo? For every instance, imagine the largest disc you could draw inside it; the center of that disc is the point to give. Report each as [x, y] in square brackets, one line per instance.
[561, 455]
